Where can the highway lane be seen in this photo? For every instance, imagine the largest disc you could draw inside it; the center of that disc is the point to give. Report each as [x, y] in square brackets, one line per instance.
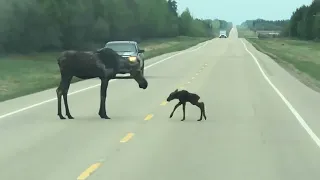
[40, 146]
[250, 133]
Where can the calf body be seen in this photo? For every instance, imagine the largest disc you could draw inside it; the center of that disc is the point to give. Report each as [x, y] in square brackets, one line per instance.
[184, 96]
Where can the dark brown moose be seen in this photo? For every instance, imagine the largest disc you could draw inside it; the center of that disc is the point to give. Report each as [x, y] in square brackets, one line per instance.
[103, 64]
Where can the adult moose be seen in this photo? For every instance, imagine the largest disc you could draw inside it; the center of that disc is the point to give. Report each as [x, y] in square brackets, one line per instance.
[103, 63]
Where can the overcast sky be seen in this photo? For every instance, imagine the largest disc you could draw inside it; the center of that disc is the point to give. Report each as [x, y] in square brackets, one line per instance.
[240, 10]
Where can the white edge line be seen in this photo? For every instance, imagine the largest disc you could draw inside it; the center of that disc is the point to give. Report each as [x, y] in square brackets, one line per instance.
[97, 85]
[292, 109]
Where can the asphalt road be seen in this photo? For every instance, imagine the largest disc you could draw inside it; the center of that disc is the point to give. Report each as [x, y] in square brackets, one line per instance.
[259, 125]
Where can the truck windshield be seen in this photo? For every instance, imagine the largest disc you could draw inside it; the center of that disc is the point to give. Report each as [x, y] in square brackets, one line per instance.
[121, 47]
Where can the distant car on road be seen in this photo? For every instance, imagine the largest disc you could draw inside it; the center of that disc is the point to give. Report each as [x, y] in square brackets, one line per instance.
[129, 50]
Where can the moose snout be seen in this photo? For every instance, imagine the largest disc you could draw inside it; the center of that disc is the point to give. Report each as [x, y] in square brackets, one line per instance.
[144, 84]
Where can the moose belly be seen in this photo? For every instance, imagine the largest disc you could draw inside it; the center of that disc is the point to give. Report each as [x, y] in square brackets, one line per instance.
[88, 73]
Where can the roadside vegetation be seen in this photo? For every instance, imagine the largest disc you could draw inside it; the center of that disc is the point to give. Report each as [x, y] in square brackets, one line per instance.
[296, 48]
[34, 32]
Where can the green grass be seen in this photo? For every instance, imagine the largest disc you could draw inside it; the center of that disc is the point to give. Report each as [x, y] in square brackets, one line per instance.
[300, 58]
[25, 74]
[246, 33]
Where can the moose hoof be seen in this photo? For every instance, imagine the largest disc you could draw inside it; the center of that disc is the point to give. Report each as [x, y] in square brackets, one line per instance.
[182, 119]
[171, 116]
[61, 117]
[199, 120]
[70, 117]
[104, 116]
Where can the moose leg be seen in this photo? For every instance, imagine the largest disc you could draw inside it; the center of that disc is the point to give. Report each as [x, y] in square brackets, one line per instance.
[65, 97]
[174, 109]
[184, 111]
[59, 95]
[103, 97]
[64, 84]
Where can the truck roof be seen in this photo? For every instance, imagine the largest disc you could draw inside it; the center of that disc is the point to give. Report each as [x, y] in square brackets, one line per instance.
[129, 42]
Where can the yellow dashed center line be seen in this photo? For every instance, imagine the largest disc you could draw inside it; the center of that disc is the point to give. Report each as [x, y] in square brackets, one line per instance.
[192, 77]
[85, 174]
[163, 103]
[189, 82]
[127, 137]
[148, 117]
[197, 74]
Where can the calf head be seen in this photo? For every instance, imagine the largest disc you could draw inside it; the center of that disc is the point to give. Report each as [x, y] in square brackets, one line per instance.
[172, 95]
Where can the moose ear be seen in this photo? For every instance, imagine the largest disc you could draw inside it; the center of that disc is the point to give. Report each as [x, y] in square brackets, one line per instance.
[176, 90]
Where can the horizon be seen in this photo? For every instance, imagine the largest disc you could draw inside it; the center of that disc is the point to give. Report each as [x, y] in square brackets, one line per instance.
[249, 9]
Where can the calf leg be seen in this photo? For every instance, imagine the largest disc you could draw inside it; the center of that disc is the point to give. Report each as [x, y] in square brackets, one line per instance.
[202, 109]
[103, 97]
[174, 109]
[184, 111]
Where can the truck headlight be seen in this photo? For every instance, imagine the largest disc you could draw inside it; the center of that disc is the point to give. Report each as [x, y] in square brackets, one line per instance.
[132, 58]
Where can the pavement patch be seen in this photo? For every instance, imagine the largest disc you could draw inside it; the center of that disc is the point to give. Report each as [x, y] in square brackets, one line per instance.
[127, 137]
[85, 174]
[302, 122]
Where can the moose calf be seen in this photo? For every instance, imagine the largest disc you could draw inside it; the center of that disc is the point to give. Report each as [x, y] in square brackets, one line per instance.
[184, 96]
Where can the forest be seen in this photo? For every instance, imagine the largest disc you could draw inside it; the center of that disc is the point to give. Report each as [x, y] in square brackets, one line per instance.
[304, 22]
[265, 25]
[53, 25]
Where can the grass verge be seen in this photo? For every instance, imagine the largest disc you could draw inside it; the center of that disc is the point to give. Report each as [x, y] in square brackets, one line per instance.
[25, 74]
[246, 33]
[300, 58]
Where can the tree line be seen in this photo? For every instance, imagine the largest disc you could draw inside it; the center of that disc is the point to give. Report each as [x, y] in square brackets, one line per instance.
[265, 25]
[49, 25]
[305, 22]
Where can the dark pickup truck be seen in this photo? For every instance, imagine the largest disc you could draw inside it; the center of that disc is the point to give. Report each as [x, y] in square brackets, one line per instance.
[129, 50]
